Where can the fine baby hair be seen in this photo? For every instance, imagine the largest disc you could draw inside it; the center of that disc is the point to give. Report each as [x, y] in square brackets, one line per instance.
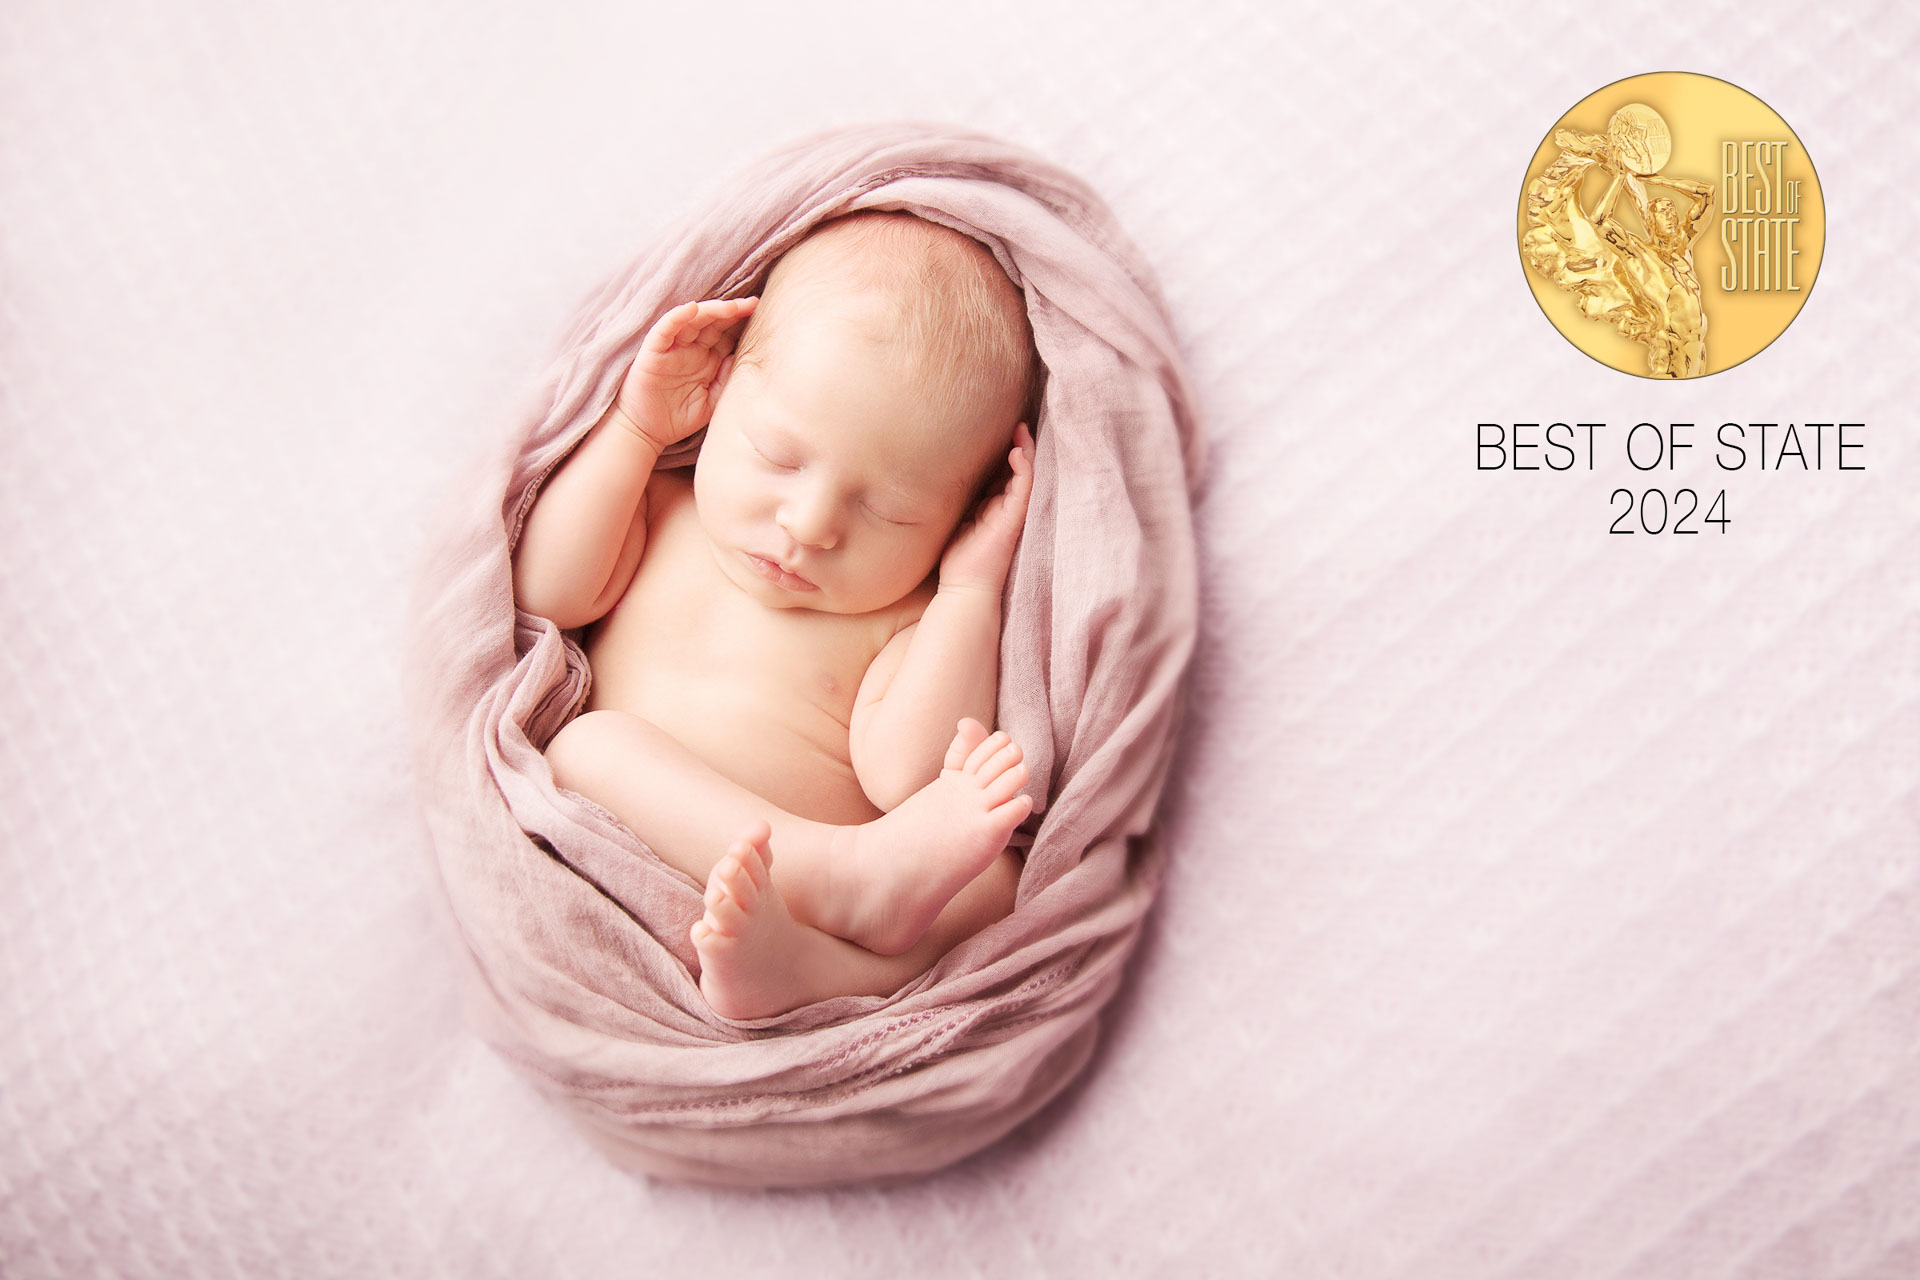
[954, 311]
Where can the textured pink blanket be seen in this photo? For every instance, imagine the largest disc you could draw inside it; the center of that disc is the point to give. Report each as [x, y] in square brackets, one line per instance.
[582, 972]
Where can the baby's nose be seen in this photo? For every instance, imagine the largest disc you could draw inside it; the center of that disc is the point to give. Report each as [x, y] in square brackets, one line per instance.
[812, 522]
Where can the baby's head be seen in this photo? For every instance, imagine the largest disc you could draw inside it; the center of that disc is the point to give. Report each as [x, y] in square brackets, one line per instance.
[873, 392]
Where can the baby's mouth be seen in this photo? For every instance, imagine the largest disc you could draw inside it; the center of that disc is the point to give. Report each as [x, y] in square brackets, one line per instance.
[772, 572]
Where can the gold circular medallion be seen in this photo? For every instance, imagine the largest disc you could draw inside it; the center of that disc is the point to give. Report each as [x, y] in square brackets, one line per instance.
[1671, 225]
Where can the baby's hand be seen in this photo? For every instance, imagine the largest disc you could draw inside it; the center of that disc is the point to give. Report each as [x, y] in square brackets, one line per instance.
[981, 553]
[670, 388]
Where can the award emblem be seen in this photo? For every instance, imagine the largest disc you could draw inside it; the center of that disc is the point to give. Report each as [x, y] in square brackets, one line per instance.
[1671, 225]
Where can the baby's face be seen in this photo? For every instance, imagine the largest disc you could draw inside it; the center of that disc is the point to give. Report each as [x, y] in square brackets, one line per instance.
[823, 482]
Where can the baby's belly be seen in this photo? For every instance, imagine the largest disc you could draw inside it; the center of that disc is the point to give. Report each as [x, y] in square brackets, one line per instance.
[790, 750]
[787, 751]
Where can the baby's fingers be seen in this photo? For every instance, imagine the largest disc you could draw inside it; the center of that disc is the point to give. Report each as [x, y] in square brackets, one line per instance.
[668, 328]
[703, 323]
[1020, 483]
[1021, 459]
[1022, 469]
[718, 321]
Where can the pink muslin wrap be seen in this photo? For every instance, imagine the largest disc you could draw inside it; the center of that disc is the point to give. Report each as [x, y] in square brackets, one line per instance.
[575, 935]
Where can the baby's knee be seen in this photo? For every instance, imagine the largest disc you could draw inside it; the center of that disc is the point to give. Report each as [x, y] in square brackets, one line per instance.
[584, 745]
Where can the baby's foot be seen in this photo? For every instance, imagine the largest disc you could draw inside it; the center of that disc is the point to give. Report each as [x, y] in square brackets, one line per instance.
[890, 878]
[747, 942]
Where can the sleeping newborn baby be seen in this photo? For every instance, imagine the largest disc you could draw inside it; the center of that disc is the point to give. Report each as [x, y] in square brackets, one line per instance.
[795, 647]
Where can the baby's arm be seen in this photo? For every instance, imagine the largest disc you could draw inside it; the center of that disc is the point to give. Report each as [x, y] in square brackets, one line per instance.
[946, 665]
[586, 533]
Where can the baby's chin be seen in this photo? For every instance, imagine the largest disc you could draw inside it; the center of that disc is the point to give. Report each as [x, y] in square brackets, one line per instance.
[822, 599]
[829, 601]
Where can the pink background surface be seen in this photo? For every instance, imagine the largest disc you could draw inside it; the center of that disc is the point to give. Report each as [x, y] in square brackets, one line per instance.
[1542, 902]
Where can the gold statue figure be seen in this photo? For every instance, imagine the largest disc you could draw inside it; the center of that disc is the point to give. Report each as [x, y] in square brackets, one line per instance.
[1645, 286]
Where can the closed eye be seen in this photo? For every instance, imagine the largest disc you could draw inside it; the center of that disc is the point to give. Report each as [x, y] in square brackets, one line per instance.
[778, 466]
[884, 520]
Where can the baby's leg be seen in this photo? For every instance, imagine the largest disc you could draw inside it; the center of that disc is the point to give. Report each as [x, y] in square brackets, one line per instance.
[756, 960]
[882, 884]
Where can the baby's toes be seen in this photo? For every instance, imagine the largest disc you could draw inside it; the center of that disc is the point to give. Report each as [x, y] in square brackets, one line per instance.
[1005, 787]
[984, 752]
[1001, 761]
[754, 868]
[724, 918]
[717, 878]
[738, 880]
[727, 904]
[755, 859]
[1013, 812]
[971, 734]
